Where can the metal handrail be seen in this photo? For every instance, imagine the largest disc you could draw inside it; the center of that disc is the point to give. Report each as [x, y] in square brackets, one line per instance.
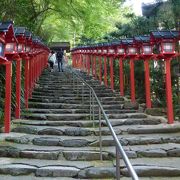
[119, 147]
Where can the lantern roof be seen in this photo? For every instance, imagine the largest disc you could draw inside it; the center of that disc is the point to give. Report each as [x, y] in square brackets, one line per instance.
[164, 34]
[142, 39]
[28, 34]
[116, 43]
[5, 26]
[106, 44]
[36, 39]
[19, 31]
[127, 41]
[100, 44]
[7, 29]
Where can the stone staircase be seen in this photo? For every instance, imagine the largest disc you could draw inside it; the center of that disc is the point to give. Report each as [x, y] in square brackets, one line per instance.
[56, 138]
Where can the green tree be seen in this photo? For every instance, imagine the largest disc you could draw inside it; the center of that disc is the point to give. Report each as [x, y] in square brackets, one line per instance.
[61, 19]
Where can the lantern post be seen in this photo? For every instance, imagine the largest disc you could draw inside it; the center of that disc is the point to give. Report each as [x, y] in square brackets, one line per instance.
[6, 31]
[73, 53]
[20, 35]
[26, 58]
[105, 54]
[88, 60]
[79, 58]
[30, 72]
[91, 60]
[121, 53]
[111, 54]
[75, 57]
[85, 59]
[11, 52]
[146, 53]
[131, 53]
[165, 41]
[94, 61]
[34, 56]
[82, 58]
[99, 51]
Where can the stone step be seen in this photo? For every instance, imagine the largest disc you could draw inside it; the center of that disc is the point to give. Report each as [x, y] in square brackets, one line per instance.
[42, 162]
[51, 137]
[72, 101]
[156, 167]
[55, 111]
[57, 106]
[54, 117]
[82, 123]
[78, 98]
[31, 177]
[160, 128]
[69, 117]
[55, 80]
[62, 130]
[73, 94]
[60, 86]
[57, 123]
[88, 153]
[56, 152]
[68, 90]
[45, 168]
[99, 93]
[69, 106]
[144, 129]
[68, 86]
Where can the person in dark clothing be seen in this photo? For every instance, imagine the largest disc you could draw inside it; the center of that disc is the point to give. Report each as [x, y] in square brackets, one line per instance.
[59, 57]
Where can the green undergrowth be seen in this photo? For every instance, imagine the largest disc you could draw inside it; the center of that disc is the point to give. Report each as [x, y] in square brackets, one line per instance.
[1, 117]
[26, 113]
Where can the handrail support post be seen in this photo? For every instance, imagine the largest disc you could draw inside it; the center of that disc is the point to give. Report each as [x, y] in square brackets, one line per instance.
[117, 164]
[100, 135]
[93, 110]
[90, 100]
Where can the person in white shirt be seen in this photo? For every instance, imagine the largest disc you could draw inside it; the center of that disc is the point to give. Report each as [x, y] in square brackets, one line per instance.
[52, 60]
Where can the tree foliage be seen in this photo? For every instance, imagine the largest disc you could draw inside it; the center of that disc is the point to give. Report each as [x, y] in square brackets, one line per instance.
[167, 16]
[62, 19]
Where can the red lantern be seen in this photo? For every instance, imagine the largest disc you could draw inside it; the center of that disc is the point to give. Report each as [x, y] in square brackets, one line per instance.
[165, 48]
[146, 53]
[165, 43]
[20, 35]
[132, 53]
[2, 45]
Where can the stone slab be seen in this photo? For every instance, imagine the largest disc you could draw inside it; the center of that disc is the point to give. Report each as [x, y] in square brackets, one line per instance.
[41, 163]
[57, 171]
[17, 169]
